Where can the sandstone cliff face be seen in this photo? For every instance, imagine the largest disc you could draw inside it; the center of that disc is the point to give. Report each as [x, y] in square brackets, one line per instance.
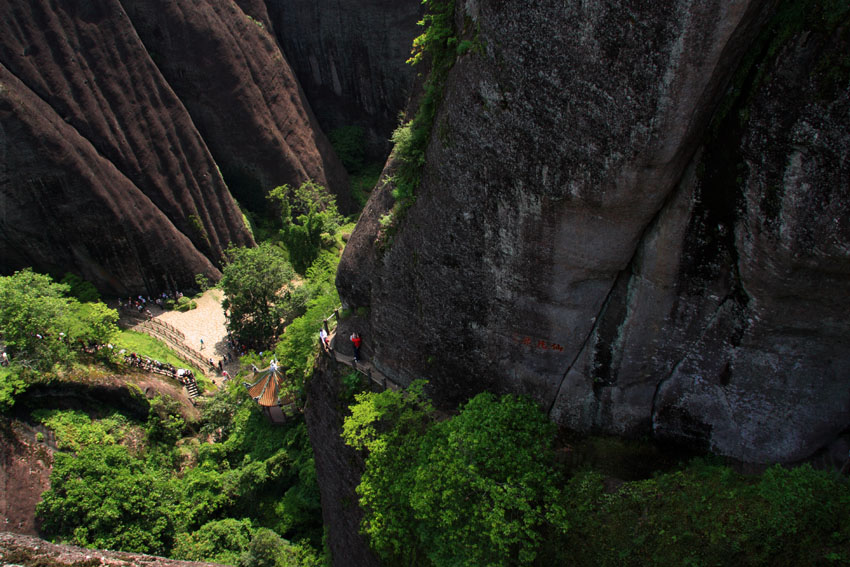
[106, 172]
[338, 467]
[351, 63]
[225, 65]
[103, 172]
[585, 234]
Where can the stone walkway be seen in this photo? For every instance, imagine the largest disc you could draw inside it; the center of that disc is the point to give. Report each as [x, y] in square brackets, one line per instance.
[205, 322]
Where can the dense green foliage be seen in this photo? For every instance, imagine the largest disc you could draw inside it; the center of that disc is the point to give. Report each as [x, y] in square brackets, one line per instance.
[348, 143]
[83, 290]
[706, 514]
[219, 541]
[307, 213]
[44, 330]
[477, 489]
[485, 485]
[483, 488]
[298, 347]
[254, 282]
[104, 497]
[147, 487]
[268, 549]
[41, 326]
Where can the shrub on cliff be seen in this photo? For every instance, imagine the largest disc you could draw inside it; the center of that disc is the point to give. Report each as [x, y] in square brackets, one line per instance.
[476, 489]
[438, 45]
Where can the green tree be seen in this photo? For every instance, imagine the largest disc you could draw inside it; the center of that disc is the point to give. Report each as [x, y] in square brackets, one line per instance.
[388, 428]
[306, 213]
[254, 282]
[220, 541]
[348, 142]
[268, 549]
[12, 384]
[80, 288]
[39, 323]
[476, 489]
[165, 423]
[33, 310]
[91, 323]
[105, 498]
[298, 347]
[485, 488]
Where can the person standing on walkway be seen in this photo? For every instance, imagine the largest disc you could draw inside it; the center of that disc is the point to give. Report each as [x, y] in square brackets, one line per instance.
[356, 341]
[202, 344]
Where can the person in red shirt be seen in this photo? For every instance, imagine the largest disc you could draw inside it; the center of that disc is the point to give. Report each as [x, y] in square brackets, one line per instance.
[356, 341]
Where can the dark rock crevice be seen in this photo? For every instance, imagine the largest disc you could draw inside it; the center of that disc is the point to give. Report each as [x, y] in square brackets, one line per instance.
[351, 63]
[338, 467]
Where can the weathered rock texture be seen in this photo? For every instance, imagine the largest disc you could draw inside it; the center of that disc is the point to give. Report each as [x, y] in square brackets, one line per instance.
[17, 549]
[225, 65]
[600, 228]
[351, 61]
[25, 466]
[105, 171]
[338, 467]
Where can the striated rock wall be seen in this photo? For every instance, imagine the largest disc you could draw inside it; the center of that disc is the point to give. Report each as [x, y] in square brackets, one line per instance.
[225, 65]
[25, 466]
[351, 62]
[102, 172]
[117, 120]
[605, 226]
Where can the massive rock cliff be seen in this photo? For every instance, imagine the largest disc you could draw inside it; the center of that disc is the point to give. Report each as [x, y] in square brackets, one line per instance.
[352, 62]
[113, 125]
[614, 222]
[225, 64]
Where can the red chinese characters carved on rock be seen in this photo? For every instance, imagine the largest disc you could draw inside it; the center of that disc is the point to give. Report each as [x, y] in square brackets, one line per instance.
[539, 344]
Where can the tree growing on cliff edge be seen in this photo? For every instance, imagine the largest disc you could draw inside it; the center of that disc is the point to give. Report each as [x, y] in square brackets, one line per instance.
[254, 283]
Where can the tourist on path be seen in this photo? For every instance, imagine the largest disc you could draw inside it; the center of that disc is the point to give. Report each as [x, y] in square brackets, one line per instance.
[356, 341]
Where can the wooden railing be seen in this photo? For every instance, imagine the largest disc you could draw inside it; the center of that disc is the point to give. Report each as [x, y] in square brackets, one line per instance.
[174, 339]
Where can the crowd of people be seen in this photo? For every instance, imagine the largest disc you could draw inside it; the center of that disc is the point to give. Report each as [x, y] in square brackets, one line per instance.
[183, 375]
[141, 304]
